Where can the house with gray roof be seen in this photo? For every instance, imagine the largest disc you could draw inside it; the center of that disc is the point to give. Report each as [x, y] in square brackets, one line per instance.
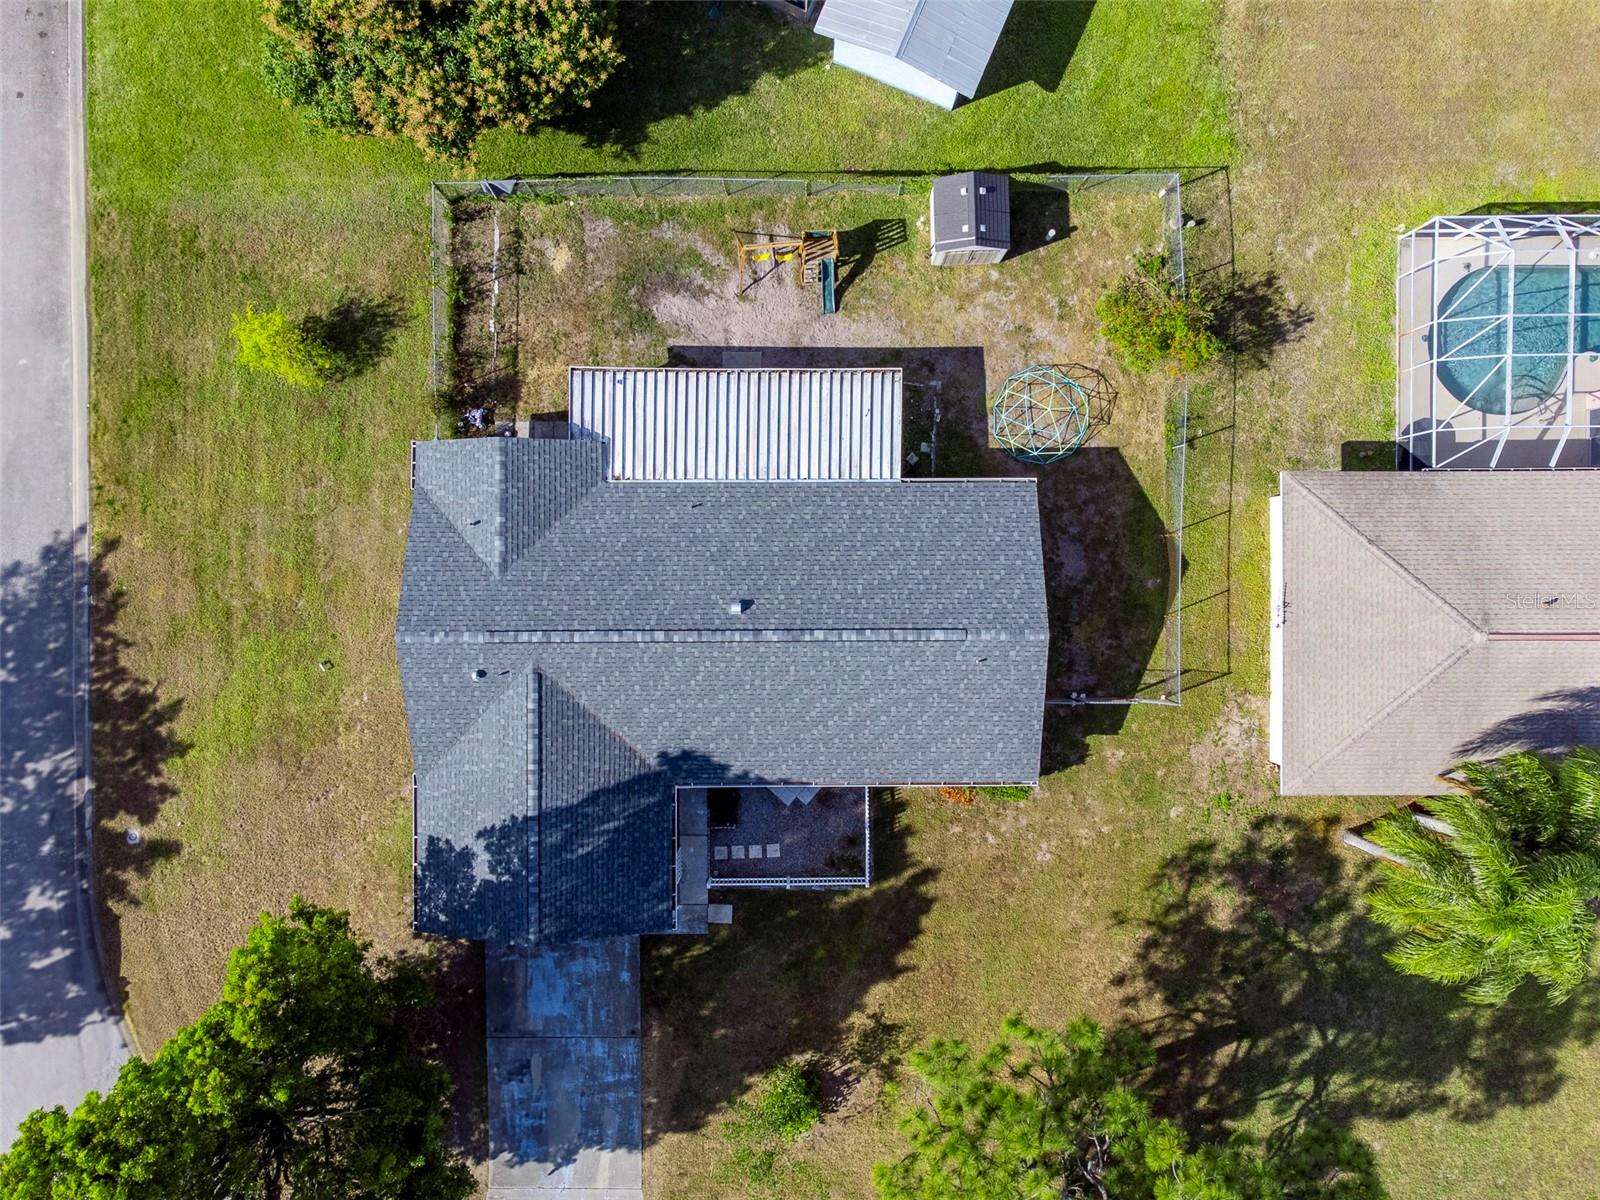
[934, 49]
[595, 666]
[1420, 620]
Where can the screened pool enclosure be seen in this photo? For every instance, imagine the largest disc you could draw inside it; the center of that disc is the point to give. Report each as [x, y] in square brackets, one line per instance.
[1499, 342]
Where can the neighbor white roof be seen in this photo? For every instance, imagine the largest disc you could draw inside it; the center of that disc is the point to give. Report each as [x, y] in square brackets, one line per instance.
[950, 40]
[666, 423]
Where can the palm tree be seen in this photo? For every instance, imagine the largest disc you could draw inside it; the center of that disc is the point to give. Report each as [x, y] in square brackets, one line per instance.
[1503, 882]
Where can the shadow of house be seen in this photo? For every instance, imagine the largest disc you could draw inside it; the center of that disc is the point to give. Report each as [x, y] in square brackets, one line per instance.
[40, 922]
[678, 62]
[1274, 994]
[1036, 46]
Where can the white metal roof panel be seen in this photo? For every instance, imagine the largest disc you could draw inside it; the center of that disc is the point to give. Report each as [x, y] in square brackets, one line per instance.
[950, 40]
[683, 423]
[876, 24]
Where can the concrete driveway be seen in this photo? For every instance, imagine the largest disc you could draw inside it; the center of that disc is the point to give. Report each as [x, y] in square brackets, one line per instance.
[565, 1117]
[60, 1035]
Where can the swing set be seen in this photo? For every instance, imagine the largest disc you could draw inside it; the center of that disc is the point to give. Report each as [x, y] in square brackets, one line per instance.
[815, 254]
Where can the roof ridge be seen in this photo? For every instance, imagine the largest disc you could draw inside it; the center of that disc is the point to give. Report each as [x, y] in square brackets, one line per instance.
[546, 677]
[529, 522]
[1383, 555]
[1367, 726]
[911, 26]
[425, 496]
[471, 714]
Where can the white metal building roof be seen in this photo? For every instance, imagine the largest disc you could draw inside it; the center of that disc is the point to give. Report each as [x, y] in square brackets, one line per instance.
[673, 423]
[948, 40]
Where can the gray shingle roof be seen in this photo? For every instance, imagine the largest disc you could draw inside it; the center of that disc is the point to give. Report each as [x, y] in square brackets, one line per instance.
[1427, 621]
[893, 632]
[970, 209]
[951, 40]
[541, 825]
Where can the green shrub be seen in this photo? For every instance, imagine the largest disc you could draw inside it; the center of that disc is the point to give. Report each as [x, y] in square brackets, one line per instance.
[1015, 793]
[1151, 321]
[438, 74]
[786, 1107]
[270, 342]
[760, 1131]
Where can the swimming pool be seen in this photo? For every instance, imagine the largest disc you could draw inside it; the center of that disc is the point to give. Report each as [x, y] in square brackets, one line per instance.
[1470, 340]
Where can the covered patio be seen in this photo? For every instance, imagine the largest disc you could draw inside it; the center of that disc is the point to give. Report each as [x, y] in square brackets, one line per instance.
[784, 837]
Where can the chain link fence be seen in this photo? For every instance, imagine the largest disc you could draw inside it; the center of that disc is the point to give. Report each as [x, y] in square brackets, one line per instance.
[1164, 187]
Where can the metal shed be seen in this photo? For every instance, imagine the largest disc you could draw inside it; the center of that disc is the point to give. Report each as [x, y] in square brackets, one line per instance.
[934, 49]
[676, 423]
[969, 218]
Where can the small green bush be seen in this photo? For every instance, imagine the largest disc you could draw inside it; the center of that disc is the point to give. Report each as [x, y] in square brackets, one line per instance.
[760, 1131]
[1015, 793]
[786, 1107]
[438, 74]
[1150, 321]
[270, 342]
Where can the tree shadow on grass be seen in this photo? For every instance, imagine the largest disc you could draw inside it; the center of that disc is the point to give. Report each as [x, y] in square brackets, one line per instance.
[358, 330]
[46, 980]
[784, 982]
[1275, 995]
[678, 62]
[134, 738]
[1254, 319]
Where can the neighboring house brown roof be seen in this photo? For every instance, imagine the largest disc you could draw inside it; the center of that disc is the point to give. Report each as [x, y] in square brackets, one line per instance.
[1435, 617]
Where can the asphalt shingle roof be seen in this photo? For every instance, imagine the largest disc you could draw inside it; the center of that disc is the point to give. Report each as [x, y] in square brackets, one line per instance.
[569, 655]
[1434, 617]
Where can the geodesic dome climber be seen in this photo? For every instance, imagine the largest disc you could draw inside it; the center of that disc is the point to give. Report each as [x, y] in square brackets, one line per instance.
[1043, 414]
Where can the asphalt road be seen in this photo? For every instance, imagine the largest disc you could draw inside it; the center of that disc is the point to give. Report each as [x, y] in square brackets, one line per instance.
[59, 1034]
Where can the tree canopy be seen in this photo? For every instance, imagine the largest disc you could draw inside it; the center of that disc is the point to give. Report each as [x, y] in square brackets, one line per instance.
[1042, 1115]
[438, 74]
[1512, 891]
[302, 1081]
[269, 342]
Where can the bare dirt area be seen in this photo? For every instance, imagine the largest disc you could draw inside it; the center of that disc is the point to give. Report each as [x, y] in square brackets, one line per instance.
[545, 284]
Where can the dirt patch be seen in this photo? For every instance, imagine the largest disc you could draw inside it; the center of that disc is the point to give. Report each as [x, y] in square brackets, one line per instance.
[652, 282]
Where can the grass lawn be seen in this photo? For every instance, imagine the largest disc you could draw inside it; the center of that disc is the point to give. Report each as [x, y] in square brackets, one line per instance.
[249, 534]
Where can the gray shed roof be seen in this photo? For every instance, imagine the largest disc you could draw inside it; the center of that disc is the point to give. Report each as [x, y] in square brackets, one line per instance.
[1435, 617]
[894, 632]
[951, 40]
[971, 209]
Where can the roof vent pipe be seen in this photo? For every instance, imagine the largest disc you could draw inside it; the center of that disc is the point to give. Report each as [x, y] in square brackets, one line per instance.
[741, 606]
